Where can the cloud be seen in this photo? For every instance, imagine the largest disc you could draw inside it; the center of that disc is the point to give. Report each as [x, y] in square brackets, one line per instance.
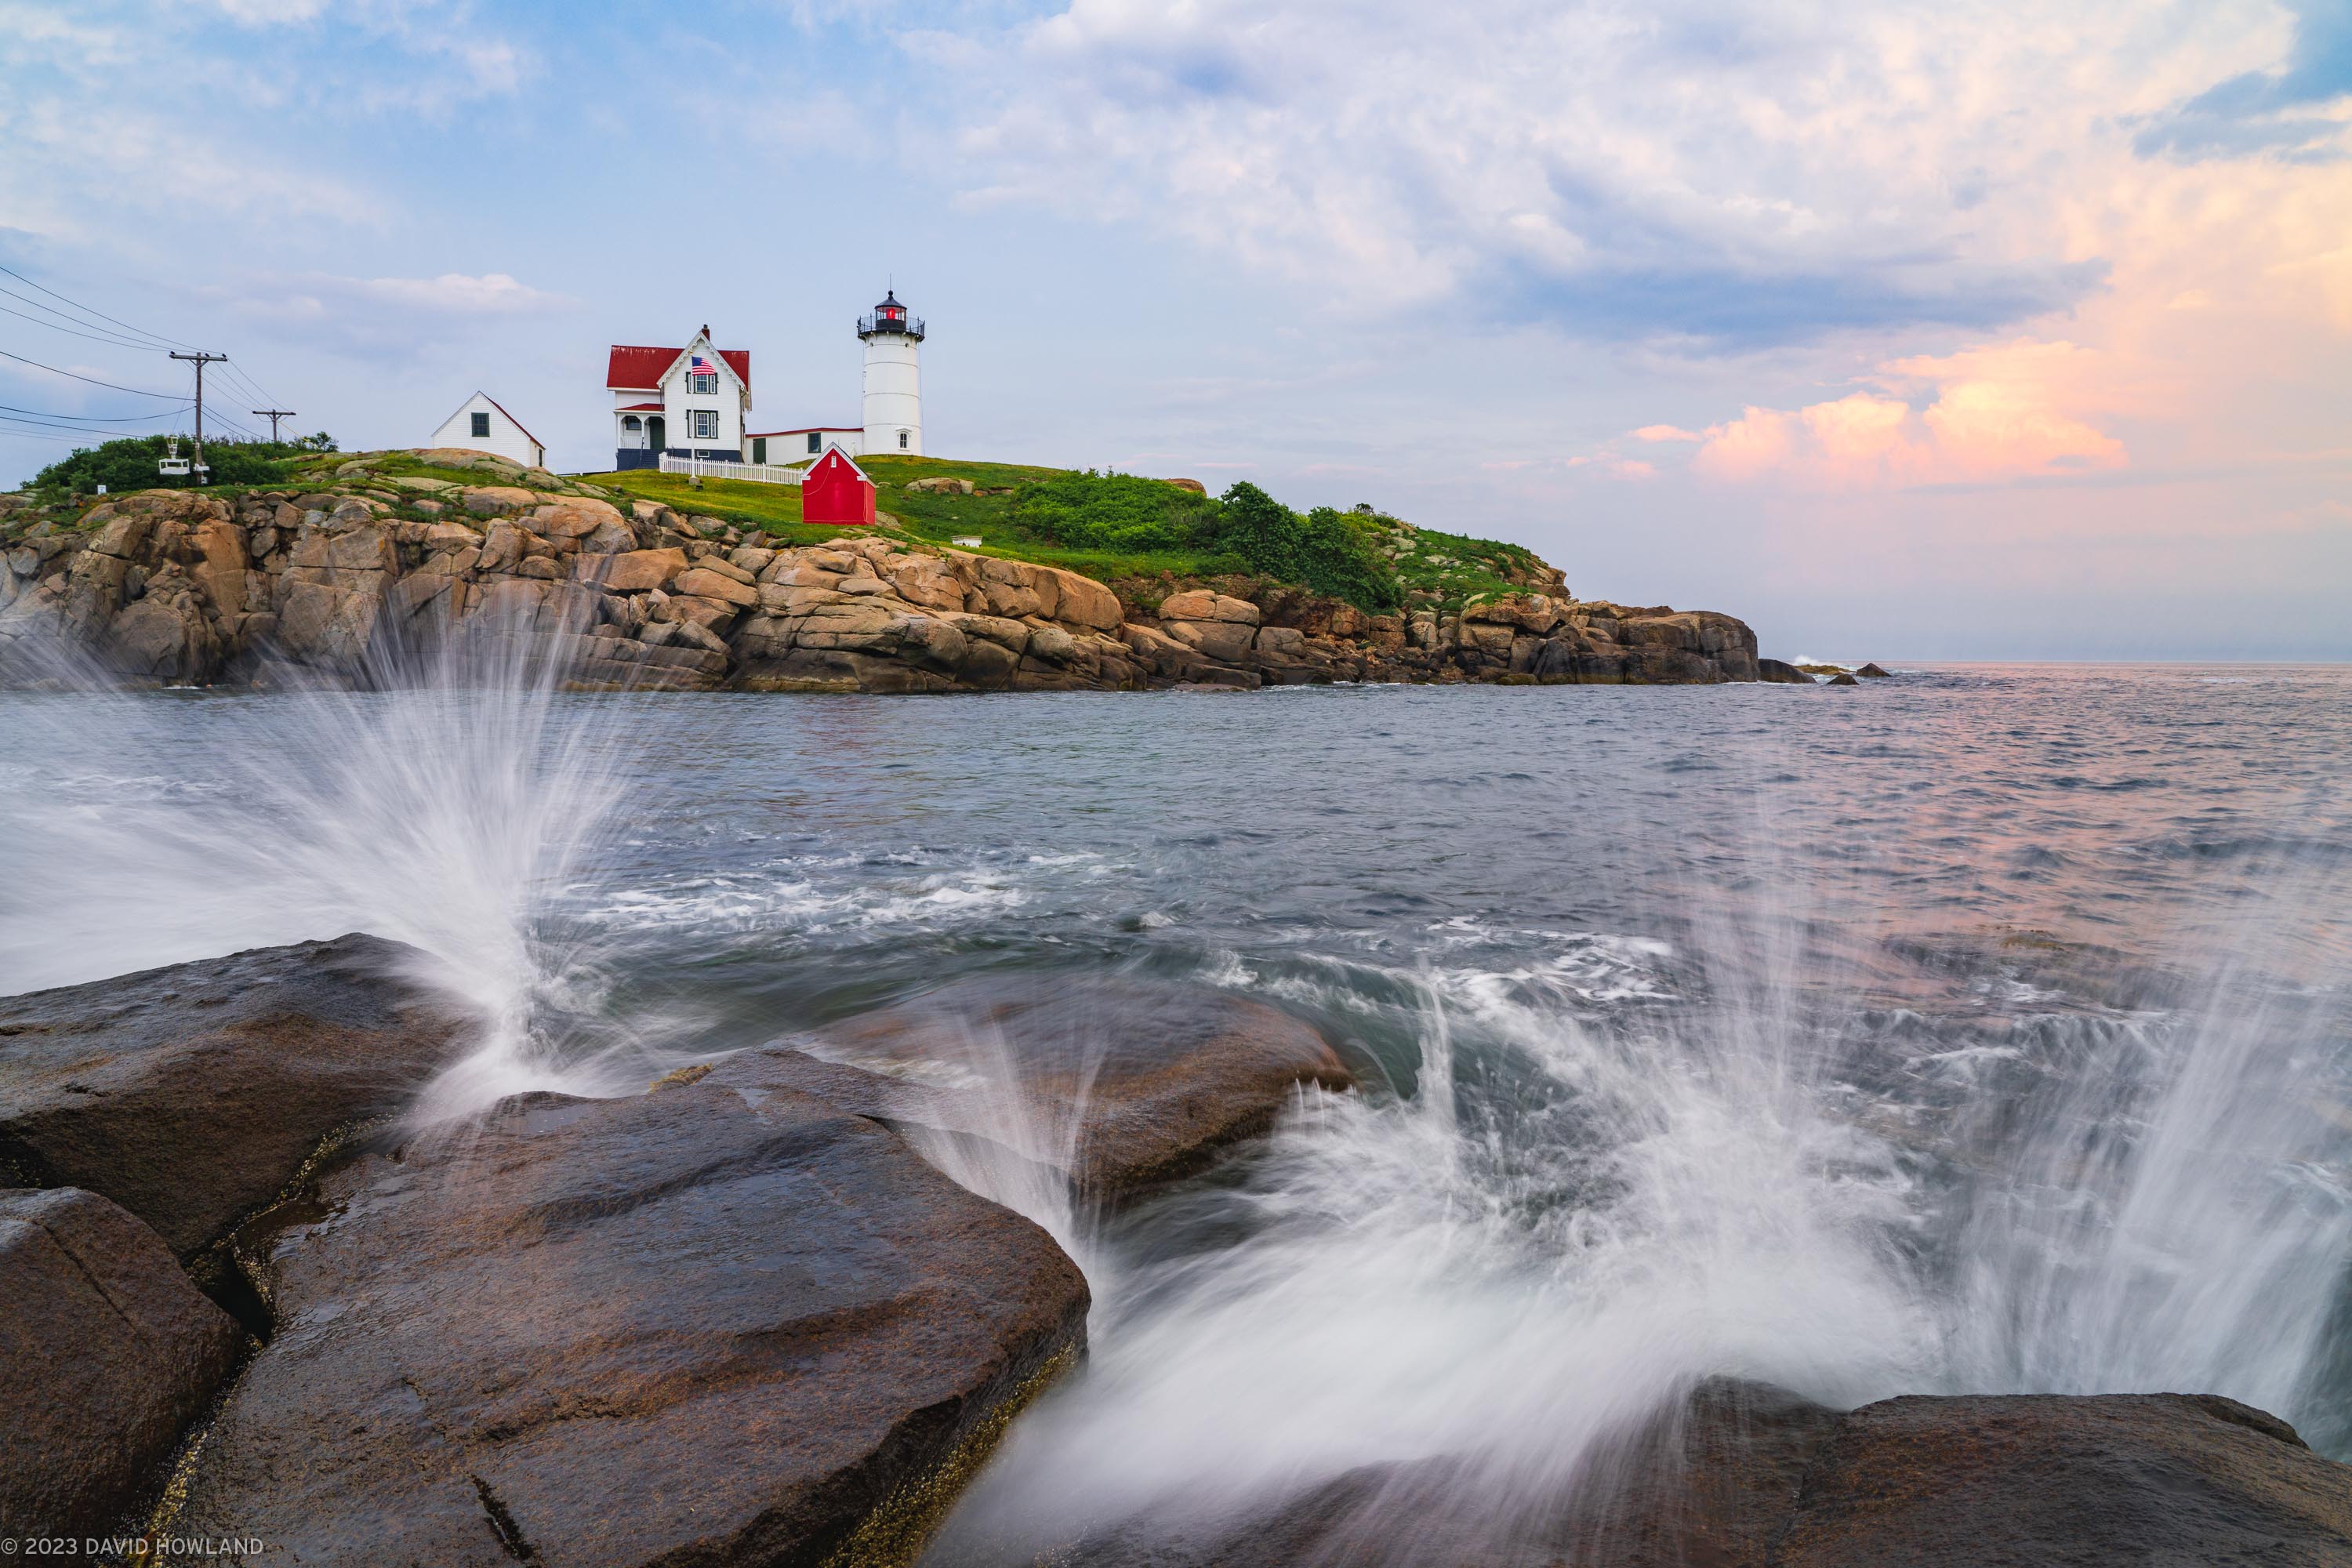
[1667, 433]
[2296, 107]
[1995, 412]
[455, 293]
[266, 12]
[1736, 172]
[386, 318]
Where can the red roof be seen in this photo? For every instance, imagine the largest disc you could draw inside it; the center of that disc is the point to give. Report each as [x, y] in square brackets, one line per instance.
[515, 422]
[641, 408]
[633, 366]
[809, 430]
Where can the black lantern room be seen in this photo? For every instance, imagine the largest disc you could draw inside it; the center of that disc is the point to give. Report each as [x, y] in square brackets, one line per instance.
[892, 318]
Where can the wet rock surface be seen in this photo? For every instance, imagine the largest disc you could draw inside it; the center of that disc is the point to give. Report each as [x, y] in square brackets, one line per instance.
[1121, 1083]
[1744, 1475]
[106, 1353]
[2105, 1478]
[693, 1327]
[191, 1095]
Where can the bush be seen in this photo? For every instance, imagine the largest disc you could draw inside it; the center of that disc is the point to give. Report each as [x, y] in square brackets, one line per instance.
[129, 463]
[1261, 531]
[1336, 557]
[1328, 551]
[1113, 511]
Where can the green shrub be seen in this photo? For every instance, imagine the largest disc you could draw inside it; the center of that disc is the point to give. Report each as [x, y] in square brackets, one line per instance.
[1336, 558]
[1087, 510]
[1326, 551]
[1261, 531]
[129, 463]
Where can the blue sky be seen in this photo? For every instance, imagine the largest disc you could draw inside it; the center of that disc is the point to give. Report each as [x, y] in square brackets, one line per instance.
[1932, 330]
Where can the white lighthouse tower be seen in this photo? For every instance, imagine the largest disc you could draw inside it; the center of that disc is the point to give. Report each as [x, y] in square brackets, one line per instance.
[894, 379]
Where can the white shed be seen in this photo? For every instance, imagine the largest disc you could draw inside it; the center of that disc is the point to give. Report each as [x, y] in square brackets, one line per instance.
[480, 423]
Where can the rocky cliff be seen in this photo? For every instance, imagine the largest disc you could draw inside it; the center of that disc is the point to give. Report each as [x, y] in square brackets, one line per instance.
[345, 582]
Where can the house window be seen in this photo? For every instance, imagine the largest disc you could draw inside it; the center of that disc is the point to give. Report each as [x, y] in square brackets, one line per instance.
[902, 440]
[704, 384]
[481, 426]
[706, 424]
[630, 423]
[817, 443]
[759, 449]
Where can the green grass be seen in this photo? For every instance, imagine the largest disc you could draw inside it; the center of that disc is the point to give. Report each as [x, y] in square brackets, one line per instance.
[1454, 566]
[1442, 569]
[924, 518]
[937, 519]
[1435, 568]
[770, 509]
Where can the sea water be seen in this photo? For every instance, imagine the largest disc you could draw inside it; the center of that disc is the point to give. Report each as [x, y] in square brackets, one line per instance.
[1984, 1029]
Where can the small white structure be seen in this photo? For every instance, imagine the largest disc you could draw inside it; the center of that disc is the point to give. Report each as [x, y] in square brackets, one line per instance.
[689, 401]
[480, 423]
[806, 441]
[894, 379]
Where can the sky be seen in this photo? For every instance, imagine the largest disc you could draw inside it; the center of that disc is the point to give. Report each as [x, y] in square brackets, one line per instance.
[1924, 329]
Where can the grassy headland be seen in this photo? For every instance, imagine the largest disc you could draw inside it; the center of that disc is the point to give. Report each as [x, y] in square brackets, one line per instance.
[1139, 534]
[1146, 537]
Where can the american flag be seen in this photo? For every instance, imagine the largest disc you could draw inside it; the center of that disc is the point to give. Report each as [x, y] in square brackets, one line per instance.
[701, 367]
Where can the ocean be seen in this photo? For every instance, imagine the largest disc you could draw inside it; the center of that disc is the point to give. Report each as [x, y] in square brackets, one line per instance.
[1983, 1029]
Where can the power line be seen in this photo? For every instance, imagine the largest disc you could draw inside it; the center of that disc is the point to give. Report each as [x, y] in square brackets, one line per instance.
[120, 333]
[36, 365]
[274, 415]
[38, 436]
[260, 393]
[97, 418]
[94, 337]
[90, 419]
[154, 341]
[85, 310]
[127, 333]
[82, 431]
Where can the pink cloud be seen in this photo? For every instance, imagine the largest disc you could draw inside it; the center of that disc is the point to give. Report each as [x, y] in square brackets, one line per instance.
[2000, 412]
[1667, 433]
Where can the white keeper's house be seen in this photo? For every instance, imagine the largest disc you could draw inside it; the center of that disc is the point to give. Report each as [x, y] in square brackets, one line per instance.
[696, 401]
[480, 423]
[684, 401]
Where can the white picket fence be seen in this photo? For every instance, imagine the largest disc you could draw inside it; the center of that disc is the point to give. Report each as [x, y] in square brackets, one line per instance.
[710, 469]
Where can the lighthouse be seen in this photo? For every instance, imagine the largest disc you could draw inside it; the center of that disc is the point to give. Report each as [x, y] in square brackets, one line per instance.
[894, 381]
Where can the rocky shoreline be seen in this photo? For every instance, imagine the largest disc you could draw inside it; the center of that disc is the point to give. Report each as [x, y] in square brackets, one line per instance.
[741, 1318]
[367, 578]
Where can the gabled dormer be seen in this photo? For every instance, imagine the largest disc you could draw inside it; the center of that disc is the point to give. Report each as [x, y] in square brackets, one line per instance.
[710, 371]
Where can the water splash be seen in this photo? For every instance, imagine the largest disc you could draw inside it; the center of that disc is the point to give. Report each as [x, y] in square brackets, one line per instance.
[1578, 1211]
[446, 808]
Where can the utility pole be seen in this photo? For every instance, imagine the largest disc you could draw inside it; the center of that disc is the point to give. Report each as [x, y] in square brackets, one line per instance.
[274, 415]
[200, 360]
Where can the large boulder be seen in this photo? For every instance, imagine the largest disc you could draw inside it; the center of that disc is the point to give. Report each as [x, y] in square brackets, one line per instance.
[693, 1327]
[1120, 1083]
[2126, 1478]
[107, 1353]
[1742, 1475]
[1708, 1483]
[189, 1095]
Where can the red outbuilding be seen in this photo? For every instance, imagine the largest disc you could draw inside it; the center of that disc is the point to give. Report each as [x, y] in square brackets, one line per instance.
[836, 490]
